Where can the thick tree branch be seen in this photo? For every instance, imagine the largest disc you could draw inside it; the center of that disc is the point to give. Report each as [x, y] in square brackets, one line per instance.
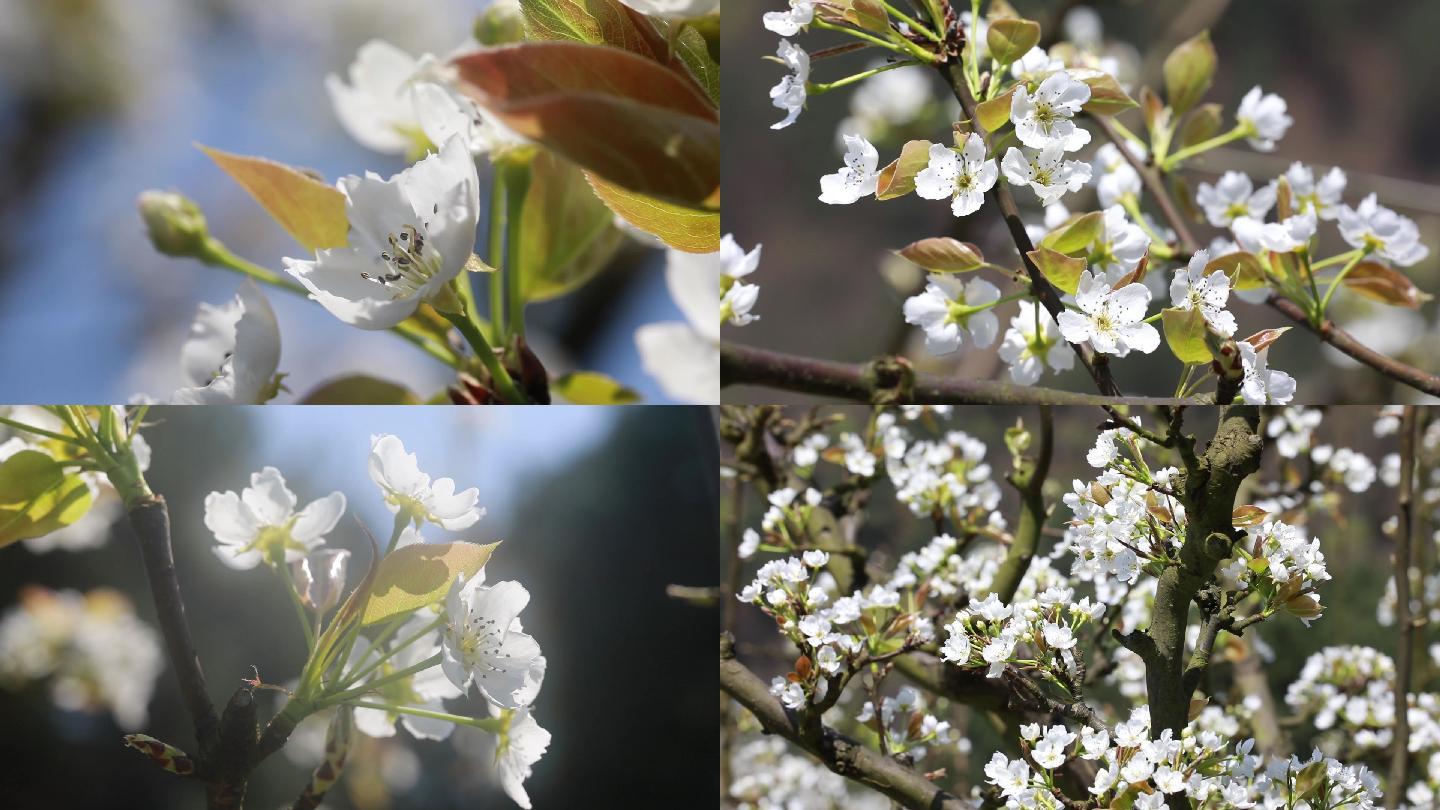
[839, 753]
[887, 381]
[1405, 644]
[1029, 480]
[1097, 365]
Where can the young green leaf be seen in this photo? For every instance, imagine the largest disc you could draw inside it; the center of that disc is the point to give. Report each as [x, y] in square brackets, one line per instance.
[567, 233]
[1061, 270]
[1010, 38]
[898, 178]
[1185, 334]
[1075, 234]
[419, 575]
[692, 230]
[308, 209]
[994, 113]
[37, 497]
[360, 389]
[1189, 69]
[592, 388]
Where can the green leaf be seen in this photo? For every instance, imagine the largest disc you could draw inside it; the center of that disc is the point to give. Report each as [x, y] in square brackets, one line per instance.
[898, 178]
[1185, 334]
[994, 113]
[360, 389]
[692, 230]
[415, 576]
[567, 234]
[1189, 69]
[1107, 97]
[37, 497]
[1075, 234]
[1010, 38]
[1202, 125]
[1244, 270]
[622, 116]
[1062, 271]
[592, 388]
[694, 51]
[308, 209]
[942, 254]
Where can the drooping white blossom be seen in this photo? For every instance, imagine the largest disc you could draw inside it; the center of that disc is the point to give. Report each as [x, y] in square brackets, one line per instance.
[788, 23]
[856, 178]
[233, 352]
[260, 523]
[963, 177]
[949, 308]
[737, 298]
[522, 746]
[789, 94]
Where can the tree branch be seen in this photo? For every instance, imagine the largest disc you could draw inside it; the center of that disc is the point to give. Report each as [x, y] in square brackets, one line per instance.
[1029, 479]
[888, 381]
[1405, 644]
[839, 753]
[1097, 365]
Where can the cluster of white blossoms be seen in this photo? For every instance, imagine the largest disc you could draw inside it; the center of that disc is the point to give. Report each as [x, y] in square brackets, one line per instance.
[1042, 631]
[908, 727]
[1201, 768]
[95, 653]
[766, 776]
[1281, 563]
[948, 476]
[476, 640]
[786, 522]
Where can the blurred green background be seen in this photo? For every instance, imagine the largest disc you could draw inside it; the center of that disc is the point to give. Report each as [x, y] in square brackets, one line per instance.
[599, 509]
[1356, 78]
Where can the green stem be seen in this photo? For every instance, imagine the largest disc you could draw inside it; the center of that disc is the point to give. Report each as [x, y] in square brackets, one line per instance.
[874, 40]
[347, 681]
[517, 184]
[1337, 259]
[499, 377]
[818, 88]
[299, 609]
[1158, 246]
[1127, 134]
[495, 725]
[59, 437]
[912, 22]
[1335, 282]
[341, 697]
[1240, 131]
[402, 519]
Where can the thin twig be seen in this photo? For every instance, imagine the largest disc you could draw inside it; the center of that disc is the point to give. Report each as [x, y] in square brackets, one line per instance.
[1405, 644]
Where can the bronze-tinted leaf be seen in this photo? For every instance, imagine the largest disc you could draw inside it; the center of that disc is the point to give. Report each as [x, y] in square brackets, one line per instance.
[942, 254]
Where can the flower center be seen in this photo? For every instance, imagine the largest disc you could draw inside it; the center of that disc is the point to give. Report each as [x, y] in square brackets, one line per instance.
[1045, 116]
[410, 262]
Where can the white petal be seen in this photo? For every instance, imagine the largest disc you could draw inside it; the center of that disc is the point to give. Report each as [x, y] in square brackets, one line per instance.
[318, 518]
[684, 362]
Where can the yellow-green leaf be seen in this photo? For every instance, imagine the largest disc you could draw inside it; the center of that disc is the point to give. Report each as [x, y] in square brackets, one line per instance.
[1010, 38]
[942, 254]
[592, 388]
[994, 113]
[692, 230]
[1075, 234]
[1185, 334]
[37, 497]
[415, 576]
[567, 234]
[360, 389]
[898, 178]
[308, 209]
[1189, 69]
[1061, 270]
[1243, 268]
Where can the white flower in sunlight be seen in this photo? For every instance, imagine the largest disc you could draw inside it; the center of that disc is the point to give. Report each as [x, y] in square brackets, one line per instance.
[1263, 385]
[261, 525]
[1234, 196]
[1116, 176]
[523, 745]
[409, 237]
[1034, 66]
[426, 689]
[377, 107]
[789, 94]
[1112, 320]
[1264, 114]
[963, 176]
[1046, 171]
[1372, 226]
[949, 308]
[233, 352]
[1044, 119]
[1032, 342]
[1193, 289]
[674, 9]
[789, 22]
[856, 178]
[483, 643]
[1321, 197]
[1282, 237]
[405, 487]
[684, 356]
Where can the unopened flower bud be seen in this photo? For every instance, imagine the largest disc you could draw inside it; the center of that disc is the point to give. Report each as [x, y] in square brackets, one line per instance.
[175, 224]
[320, 578]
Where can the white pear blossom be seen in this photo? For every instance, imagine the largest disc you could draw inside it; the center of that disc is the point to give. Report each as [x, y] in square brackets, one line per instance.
[521, 747]
[1034, 66]
[1193, 289]
[1289, 235]
[1263, 385]
[377, 107]
[1044, 118]
[1046, 171]
[406, 488]
[789, 22]
[964, 176]
[1112, 320]
[233, 352]
[789, 94]
[1032, 342]
[1119, 246]
[856, 178]
[427, 689]
[1374, 227]
[484, 643]
[1264, 114]
[260, 523]
[1117, 177]
[1234, 196]
[949, 308]
[1322, 197]
[737, 299]
[684, 356]
[675, 9]
[409, 237]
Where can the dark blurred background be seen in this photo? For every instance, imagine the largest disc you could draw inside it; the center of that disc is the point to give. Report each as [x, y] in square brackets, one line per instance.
[101, 99]
[1355, 76]
[599, 511]
[1357, 553]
